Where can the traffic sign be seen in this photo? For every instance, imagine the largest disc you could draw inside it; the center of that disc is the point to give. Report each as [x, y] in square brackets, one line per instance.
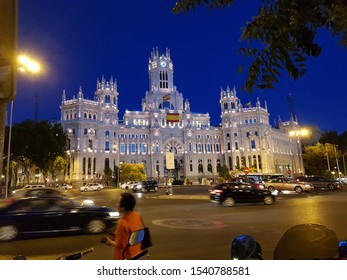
[246, 170]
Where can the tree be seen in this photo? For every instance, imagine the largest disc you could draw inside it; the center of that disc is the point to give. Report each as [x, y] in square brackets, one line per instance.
[131, 172]
[282, 36]
[224, 172]
[38, 144]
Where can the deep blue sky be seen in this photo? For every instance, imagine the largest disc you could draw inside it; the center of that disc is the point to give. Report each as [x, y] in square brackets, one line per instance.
[79, 41]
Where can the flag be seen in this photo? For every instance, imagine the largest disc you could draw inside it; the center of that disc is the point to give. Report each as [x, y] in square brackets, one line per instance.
[172, 117]
[166, 97]
[248, 104]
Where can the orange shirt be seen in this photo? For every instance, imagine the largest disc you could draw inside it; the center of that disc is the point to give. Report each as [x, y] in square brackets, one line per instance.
[126, 225]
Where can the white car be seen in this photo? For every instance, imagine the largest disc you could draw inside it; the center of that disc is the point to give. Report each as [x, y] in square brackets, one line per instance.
[129, 185]
[65, 186]
[29, 187]
[91, 187]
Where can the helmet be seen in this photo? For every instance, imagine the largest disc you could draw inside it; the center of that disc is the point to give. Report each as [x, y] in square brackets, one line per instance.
[307, 242]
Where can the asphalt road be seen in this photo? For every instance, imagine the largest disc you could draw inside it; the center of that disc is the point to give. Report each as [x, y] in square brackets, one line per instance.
[186, 225]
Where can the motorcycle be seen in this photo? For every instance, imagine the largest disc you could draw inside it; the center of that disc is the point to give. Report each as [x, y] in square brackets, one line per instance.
[301, 242]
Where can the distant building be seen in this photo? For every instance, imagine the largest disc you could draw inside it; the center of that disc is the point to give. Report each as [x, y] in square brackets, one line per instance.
[98, 138]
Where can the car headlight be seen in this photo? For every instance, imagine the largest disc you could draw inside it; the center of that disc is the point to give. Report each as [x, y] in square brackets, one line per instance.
[114, 214]
[88, 202]
[307, 185]
[139, 186]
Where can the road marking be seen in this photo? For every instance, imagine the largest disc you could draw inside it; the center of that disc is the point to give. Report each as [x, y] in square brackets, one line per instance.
[189, 223]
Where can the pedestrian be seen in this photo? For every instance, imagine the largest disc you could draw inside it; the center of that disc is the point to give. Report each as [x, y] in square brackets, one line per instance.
[129, 221]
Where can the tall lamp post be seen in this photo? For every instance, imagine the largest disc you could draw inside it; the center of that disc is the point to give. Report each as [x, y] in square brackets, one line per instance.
[25, 64]
[298, 134]
[344, 163]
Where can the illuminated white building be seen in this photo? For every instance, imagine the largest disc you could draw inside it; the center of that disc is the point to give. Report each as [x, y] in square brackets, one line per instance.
[98, 138]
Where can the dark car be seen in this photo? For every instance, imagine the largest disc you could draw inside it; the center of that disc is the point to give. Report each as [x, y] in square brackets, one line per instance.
[146, 186]
[228, 194]
[244, 179]
[53, 214]
[320, 182]
[177, 182]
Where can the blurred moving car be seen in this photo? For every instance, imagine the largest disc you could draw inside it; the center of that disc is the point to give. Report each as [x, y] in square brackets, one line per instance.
[91, 187]
[146, 186]
[46, 191]
[29, 187]
[227, 194]
[177, 182]
[288, 184]
[65, 186]
[245, 179]
[320, 182]
[129, 185]
[53, 214]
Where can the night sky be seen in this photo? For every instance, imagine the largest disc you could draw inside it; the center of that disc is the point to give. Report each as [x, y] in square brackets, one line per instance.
[79, 41]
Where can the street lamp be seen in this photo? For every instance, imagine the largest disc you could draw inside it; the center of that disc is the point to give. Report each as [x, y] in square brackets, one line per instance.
[25, 64]
[344, 164]
[299, 133]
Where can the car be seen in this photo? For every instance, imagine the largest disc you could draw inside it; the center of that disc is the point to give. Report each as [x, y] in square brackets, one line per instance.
[146, 186]
[288, 184]
[44, 215]
[227, 194]
[47, 191]
[177, 182]
[320, 182]
[30, 187]
[28, 192]
[129, 185]
[244, 179]
[91, 187]
[65, 186]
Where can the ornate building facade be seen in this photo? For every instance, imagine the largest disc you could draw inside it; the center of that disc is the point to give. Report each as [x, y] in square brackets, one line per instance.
[245, 138]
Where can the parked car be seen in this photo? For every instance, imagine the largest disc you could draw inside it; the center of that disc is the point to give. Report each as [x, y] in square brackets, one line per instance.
[91, 187]
[146, 186]
[177, 182]
[129, 185]
[320, 182]
[53, 214]
[228, 194]
[65, 186]
[288, 184]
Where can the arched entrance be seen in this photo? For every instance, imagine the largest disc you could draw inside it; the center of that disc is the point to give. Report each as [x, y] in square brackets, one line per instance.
[175, 146]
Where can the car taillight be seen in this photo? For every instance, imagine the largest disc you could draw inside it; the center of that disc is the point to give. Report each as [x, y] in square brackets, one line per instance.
[217, 191]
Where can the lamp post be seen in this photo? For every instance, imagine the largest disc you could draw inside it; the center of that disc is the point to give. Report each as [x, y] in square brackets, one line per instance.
[298, 134]
[344, 164]
[25, 64]
[337, 161]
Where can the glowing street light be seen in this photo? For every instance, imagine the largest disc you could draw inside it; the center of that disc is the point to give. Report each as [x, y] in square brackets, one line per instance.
[25, 64]
[299, 133]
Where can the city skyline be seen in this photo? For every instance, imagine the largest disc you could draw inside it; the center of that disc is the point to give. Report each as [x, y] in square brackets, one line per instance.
[79, 45]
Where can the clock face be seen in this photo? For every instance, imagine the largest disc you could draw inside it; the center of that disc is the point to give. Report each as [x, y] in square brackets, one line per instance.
[163, 63]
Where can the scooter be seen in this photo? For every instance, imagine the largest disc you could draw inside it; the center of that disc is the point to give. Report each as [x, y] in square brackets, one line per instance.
[301, 242]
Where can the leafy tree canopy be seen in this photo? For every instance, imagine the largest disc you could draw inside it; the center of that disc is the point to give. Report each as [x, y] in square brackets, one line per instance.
[282, 36]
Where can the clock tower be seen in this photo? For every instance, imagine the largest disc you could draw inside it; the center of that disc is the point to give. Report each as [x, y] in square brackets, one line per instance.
[162, 93]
